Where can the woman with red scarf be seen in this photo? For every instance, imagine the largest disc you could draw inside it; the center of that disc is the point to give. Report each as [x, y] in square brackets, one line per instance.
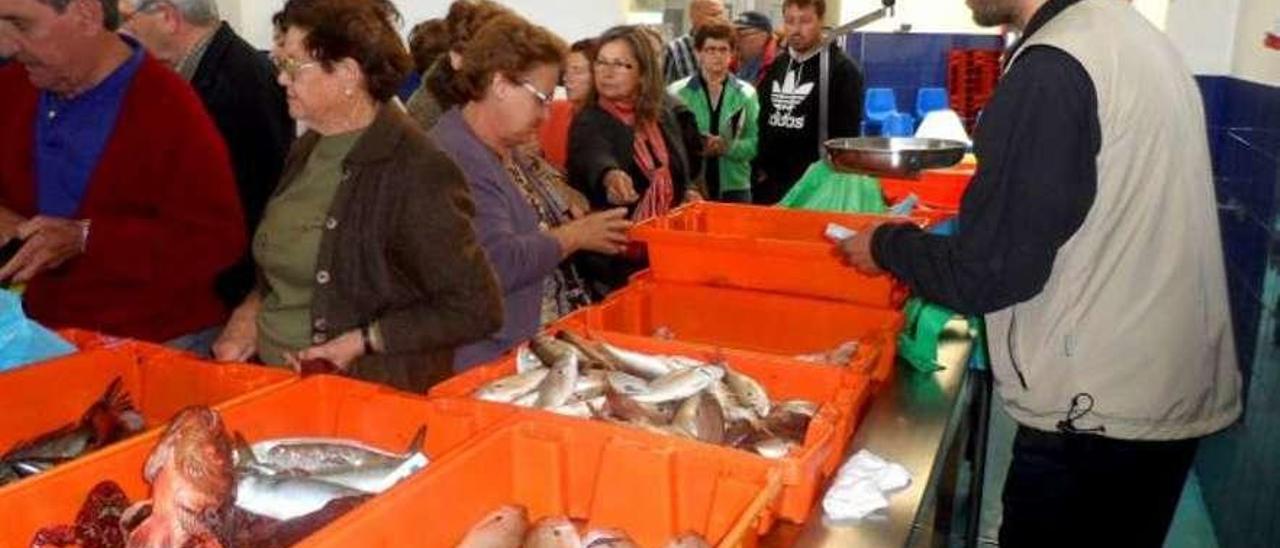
[625, 147]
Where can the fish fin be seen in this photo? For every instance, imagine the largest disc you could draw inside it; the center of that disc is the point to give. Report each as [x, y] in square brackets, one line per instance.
[243, 452]
[116, 399]
[419, 442]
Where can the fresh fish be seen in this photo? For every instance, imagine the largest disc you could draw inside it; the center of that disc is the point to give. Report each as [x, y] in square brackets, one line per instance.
[527, 360]
[733, 410]
[641, 365]
[318, 456]
[591, 380]
[502, 528]
[591, 351]
[624, 407]
[702, 418]
[680, 384]
[553, 533]
[508, 389]
[689, 540]
[802, 407]
[774, 448]
[578, 409]
[748, 391]
[558, 386]
[109, 419]
[626, 383]
[287, 497]
[607, 538]
[739, 434]
[551, 350]
[682, 362]
[526, 400]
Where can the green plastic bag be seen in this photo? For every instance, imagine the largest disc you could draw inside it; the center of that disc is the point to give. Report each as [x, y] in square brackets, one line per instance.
[824, 189]
[918, 341]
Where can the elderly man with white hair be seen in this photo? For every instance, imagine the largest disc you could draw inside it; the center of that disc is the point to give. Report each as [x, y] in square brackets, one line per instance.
[237, 85]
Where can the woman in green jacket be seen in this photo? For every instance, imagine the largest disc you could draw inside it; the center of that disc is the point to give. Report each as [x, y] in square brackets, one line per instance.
[726, 108]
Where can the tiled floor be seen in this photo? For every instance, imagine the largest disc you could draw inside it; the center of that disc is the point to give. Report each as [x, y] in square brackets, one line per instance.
[1191, 527]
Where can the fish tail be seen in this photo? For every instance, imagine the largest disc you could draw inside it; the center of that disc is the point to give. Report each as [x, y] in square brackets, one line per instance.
[116, 399]
[419, 441]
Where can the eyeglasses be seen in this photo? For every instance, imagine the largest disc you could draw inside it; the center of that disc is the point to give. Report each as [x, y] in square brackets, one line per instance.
[291, 67]
[614, 64]
[543, 99]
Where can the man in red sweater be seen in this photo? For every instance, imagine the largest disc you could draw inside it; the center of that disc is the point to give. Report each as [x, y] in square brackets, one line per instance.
[112, 177]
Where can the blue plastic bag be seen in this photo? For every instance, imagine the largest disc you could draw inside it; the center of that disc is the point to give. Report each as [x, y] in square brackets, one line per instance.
[23, 341]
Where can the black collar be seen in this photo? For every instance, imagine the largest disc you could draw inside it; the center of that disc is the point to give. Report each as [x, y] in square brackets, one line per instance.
[1042, 17]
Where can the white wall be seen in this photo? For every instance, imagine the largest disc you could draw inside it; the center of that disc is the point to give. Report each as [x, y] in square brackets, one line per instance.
[1252, 61]
[571, 19]
[925, 16]
[1205, 32]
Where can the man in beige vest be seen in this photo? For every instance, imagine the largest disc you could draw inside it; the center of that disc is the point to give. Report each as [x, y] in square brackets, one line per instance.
[1089, 238]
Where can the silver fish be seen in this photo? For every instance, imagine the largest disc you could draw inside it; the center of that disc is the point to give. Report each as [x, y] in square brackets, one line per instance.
[287, 497]
[641, 365]
[316, 456]
[749, 392]
[526, 400]
[774, 448]
[626, 383]
[507, 389]
[502, 528]
[558, 386]
[702, 418]
[577, 409]
[680, 384]
[682, 362]
[839, 355]
[527, 359]
[553, 533]
[549, 349]
[803, 407]
[733, 410]
[607, 538]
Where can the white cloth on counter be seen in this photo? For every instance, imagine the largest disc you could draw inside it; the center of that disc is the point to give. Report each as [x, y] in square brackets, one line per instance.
[862, 487]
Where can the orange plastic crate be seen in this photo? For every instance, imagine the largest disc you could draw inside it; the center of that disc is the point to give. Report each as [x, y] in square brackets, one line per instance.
[650, 486]
[841, 398]
[770, 323]
[319, 406]
[84, 339]
[762, 248]
[937, 188]
[41, 397]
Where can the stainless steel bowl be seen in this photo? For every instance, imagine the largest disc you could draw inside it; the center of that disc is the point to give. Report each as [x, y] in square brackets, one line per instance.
[893, 156]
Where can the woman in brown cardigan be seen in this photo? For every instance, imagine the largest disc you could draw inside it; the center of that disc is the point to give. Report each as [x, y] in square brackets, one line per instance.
[367, 254]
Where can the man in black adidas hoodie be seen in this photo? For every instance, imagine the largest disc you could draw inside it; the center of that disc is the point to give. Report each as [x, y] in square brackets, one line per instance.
[790, 114]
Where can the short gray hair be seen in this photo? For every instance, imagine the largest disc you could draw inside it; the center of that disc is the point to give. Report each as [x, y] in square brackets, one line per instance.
[197, 12]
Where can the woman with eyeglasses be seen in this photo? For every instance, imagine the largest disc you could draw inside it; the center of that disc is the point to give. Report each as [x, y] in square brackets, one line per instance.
[626, 148]
[509, 72]
[366, 250]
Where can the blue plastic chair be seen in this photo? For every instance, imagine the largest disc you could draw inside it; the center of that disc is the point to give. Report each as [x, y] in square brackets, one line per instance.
[898, 124]
[879, 105]
[931, 99]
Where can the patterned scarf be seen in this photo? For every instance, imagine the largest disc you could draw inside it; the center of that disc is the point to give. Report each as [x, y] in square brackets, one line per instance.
[652, 157]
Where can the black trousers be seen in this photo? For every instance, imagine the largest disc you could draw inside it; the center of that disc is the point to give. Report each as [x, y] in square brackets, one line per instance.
[1087, 490]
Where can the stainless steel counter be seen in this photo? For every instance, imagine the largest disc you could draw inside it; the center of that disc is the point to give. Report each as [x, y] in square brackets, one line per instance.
[911, 421]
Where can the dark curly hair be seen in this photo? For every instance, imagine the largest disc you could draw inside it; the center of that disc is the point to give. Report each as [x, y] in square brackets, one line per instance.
[361, 30]
[427, 42]
[510, 46]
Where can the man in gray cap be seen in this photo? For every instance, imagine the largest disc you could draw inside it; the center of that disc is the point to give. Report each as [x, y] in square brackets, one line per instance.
[757, 46]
